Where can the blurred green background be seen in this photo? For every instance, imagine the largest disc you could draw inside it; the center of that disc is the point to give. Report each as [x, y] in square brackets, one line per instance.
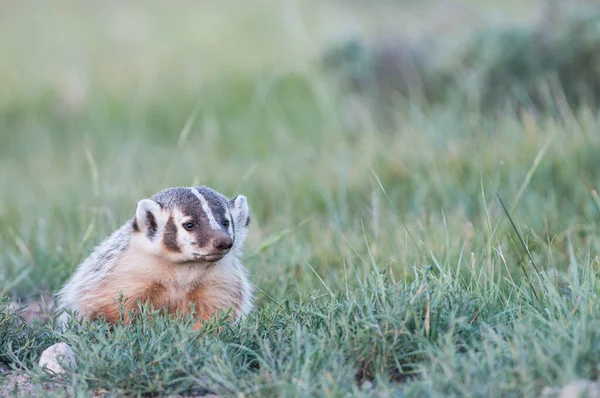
[295, 105]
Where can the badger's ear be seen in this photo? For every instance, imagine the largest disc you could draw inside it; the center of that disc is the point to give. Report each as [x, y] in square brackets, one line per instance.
[147, 215]
[240, 211]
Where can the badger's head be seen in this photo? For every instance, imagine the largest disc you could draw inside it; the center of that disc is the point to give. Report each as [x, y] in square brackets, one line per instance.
[195, 224]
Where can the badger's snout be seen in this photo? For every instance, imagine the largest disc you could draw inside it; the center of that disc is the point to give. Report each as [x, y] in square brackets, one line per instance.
[222, 243]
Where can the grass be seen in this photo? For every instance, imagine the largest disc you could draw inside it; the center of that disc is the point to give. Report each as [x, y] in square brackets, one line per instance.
[385, 263]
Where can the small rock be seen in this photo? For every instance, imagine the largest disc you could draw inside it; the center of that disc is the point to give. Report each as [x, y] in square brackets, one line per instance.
[549, 392]
[575, 389]
[581, 388]
[56, 357]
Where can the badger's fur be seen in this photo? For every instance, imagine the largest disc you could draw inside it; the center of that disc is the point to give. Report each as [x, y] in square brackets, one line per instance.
[181, 247]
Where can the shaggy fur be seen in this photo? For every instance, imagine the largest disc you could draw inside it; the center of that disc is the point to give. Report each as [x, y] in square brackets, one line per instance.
[182, 247]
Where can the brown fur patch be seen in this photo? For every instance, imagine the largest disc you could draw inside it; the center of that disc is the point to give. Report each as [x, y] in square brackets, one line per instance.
[102, 301]
[111, 313]
[108, 309]
[205, 308]
[209, 301]
[217, 292]
[153, 293]
[170, 236]
[104, 304]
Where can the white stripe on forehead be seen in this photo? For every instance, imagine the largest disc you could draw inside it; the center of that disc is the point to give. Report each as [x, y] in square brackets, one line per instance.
[211, 218]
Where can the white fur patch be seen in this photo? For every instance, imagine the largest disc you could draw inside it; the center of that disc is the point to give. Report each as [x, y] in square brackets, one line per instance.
[239, 213]
[185, 240]
[211, 218]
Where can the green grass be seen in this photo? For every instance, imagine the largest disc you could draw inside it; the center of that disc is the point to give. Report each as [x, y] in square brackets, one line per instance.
[384, 260]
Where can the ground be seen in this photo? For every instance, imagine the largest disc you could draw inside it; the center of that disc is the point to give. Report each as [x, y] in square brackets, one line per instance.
[384, 261]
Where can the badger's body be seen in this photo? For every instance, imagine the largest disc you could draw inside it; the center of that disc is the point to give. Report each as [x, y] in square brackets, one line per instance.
[182, 247]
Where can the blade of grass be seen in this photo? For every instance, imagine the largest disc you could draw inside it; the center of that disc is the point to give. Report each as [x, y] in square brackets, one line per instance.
[524, 245]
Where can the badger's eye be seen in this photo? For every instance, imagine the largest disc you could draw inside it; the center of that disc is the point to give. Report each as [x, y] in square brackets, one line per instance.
[189, 226]
[225, 223]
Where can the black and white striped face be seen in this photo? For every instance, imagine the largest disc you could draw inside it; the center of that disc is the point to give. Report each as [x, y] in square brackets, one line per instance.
[195, 224]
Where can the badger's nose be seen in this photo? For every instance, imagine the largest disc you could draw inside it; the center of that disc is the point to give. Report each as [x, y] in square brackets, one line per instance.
[222, 243]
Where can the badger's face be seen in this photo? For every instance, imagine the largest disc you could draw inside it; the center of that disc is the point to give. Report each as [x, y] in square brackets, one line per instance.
[194, 224]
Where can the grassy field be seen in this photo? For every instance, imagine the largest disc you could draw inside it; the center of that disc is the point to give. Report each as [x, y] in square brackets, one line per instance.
[384, 262]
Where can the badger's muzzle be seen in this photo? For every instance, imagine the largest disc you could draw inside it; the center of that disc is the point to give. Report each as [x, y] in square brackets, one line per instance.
[216, 247]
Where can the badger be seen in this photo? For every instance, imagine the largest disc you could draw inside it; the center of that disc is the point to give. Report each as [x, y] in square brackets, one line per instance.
[179, 251]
